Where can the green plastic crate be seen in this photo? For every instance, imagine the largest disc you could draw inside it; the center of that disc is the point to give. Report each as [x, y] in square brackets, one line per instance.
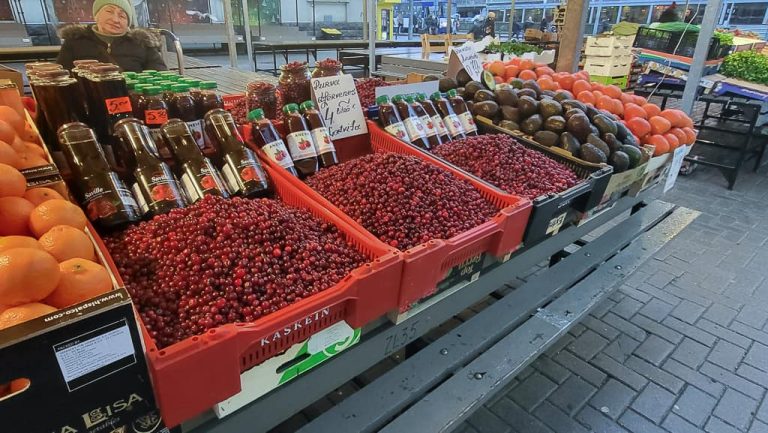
[618, 81]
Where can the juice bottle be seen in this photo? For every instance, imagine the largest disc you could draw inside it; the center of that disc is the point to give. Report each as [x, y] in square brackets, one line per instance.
[461, 110]
[429, 126]
[155, 114]
[181, 106]
[241, 169]
[450, 119]
[390, 120]
[106, 200]
[194, 92]
[209, 98]
[60, 98]
[110, 102]
[197, 174]
[155, 186]
[300, 145]
[437, 120]
[265, 136]
[168, 94]
[417, 133]
[320, 136]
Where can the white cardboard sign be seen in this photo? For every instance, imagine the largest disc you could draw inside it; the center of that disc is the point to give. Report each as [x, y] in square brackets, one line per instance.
[674, 168]
[336, 99]
[465, 57]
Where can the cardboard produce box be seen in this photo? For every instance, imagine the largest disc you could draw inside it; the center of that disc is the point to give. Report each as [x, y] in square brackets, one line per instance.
[533, 35]
[13, 75]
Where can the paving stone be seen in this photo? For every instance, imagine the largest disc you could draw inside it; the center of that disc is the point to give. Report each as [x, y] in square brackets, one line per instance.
[588, 344]
[621, 348]
[762, 412]
[659, 293]
[653, 402]
[753, 315]
[635, 294]
[694, 405]
[559, 345]
[691, 353]
[619, 371]
[660, 279]
[602, 309]
[517, 418]
[486, 422]
[572, 395]
[605, 330]
[690, 331]
[688, 311]
[675, 424]
[627, 307]
[597, 422]
[726, 355]
[577, 329]
[724, 333]
[654, 350]
[656, 309]
[689, 292]
[466, 428]
[554, 371]
[749, 332]
[705, 383]
[655, 374]
[581, 368]
[757, 356]
[626, 327]
[753, 375]
[758, 427]
[532, 391]
[657, 328]
[612, 398]
[731, 380]
[557, 420]
[635, 423]
[736, 409]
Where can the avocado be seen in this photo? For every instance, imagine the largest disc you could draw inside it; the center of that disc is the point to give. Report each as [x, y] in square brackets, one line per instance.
[612, 142]
[488, 81]
[447, 83]
[532, 124]
[570, 143]
[633, 153]
[527, 106]
[430, 78]
[482, 95]
[604, 124]
[572, 112]
[530, 84]
[598, 143]
[516, 83]
[621, 131]
[555, 124]
[486, 109]
[594, 129]
[510, 125]
[510, 113]
[470, 106]
[528, 92]
[460, 92]
[592, 154]
[463, 77]
[619, 161]
[563, 95]
[591, 111]
[549, 108]
[546, 138]
[471, 88]
[506, 96]
[548, 93]
[579, 126]
[631, 140]
[572, 103]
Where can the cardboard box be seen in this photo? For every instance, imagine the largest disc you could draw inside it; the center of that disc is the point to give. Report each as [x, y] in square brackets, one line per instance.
[608, 66]
[533, 35]
[549, 37]
[13, 75]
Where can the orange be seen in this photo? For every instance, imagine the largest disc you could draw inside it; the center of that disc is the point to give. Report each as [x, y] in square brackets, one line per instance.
[498, 79]
[10, 242]
[598, 94]
[613, 91]
[10, 115]
[29, 160]
[616, 107]
[566, 81]
[586, 97]
[598, 87]
[626, 98]
[632, 110]
[27, 275]
[639, 126]
[12, 183]
[80, 280]
[65, 242]
[691, 134]
[511, 72]
[40, 195]
[526, 64]
[661, 144]
[674, 143]
[56, 212]
[497, 68]
[604, 102]
[14, 216]
[659, 125]
[22, 313]
[7, 133]
[580, 86]
[542, 71]
[651, 110]
[680, 135]
[8, 156]
[639, 100]
[515, 61]
[675, 117]
[34, 149]
[526, 74]
[546, 83]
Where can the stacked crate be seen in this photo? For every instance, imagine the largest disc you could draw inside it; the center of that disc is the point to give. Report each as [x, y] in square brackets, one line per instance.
[609, 59]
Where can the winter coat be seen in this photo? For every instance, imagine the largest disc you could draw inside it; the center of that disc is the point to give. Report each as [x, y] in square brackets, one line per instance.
[135, 51]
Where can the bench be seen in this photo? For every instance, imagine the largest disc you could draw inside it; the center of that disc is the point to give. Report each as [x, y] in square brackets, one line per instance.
[203, 34]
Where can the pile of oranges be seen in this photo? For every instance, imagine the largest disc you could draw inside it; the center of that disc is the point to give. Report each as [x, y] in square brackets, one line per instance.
[47, 261]
[19, 143]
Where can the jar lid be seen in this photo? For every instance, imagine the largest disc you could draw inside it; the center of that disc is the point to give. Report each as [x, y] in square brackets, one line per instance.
[208, 85]
[397, 98]
[436, 95]
[177, 88]
[78, 63]
[105, 69]
[409, 99]
[152, 90]
[451, 93]
[167, 86]
[421, 97]
[290, 108]
[260, 85]
[53, 73]
[256, 114]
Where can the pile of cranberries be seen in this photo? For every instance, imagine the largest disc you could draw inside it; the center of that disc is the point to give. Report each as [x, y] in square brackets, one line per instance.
[366, 90]
[403, 200]
[507, 164]
[224, 261]
[239, 111]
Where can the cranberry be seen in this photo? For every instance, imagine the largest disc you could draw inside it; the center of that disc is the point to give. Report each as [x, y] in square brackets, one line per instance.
[366, 90]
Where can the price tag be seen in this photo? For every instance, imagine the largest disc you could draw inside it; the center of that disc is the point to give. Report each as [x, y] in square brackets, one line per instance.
[337, 101]
[674, 169]
[556, 223]
[155, 117]
[118, 105]
[465, 57]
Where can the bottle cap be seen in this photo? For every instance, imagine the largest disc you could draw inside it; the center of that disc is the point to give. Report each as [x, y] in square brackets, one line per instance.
[256, 114]
[421, 97]
[436, 95]
[307, 105]
[409, 99]
[290, 108]
[152, 90]
[451, 93]
[149, 71]
[208, 85]
[397, 98]
[192, 82]
[383, 99]
[179, 87]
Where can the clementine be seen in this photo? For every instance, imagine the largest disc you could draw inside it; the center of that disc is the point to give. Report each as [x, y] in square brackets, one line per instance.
[527, 64]
[604, 102]
[30, 160]
[661, 144]
[12, 183]
[54, 213]
[511, 72]
[659, 125]
[65, 242]
[7, 133]
[22, 313]
[8, 156]
[10, 115]
[542, 71]
[497, 68]
[10, 242]
[14, 216]
[80, 280]
[565, 81]
[580, 86]
[42, 194]
[27, 275]
[587, 97]
[651, 110]
[526, 74]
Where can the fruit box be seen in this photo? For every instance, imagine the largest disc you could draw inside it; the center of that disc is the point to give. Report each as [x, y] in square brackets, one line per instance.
[429, 263]
[197, 373]
[556, 211]
[44, 173]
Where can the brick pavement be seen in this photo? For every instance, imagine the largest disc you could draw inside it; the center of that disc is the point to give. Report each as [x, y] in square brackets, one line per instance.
[682, 346]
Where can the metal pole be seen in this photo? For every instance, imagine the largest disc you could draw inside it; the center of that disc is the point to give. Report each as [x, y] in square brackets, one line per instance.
[314, 24]
[700, 54]
[231, 41]
[410, 21]
[448, 19]
[247, 30]
[297, 13]
[371, 36]
[512, 18]
[365, 19]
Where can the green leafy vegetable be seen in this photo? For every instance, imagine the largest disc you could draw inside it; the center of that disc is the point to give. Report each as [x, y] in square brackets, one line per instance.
[746, 65]
[516, 48]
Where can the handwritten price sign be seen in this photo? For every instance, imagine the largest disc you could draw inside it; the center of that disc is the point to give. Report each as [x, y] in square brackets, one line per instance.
[465, 57]
[118, 105]
[337, 101]
[155, 117]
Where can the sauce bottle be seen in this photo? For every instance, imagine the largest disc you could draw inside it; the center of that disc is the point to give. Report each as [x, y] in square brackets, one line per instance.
[300, 143]
[429, 126]
[197, 174]
[155, 186]
[437, 120]
[239, 165]
[155, 114]
[168, 94]
[417, 133]
[182, 106]
[194, 92]
[450, 119]
[461, 110]
[209, 98]
[111, 101]
[60, 99]
[106, 200]
[325, 149]
[390, 120]
[265, 136]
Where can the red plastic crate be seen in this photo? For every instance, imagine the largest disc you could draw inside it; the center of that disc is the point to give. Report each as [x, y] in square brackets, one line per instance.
[427, 264]
[192, 375]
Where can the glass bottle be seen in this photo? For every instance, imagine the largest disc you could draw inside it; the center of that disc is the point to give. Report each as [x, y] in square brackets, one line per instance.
[264, 135]
[106, 200]
[300, 143]
[437, 120]
[326, 151]
[182, 106]
[390, 119]
[461, 110]
[198, 175]
[417, 133]
[262, 95]
[450, 119]
[155, 114]
[429, 126]
[327, 68]
[60, 98]
[209, 98]
[294, 82]
[110, 101]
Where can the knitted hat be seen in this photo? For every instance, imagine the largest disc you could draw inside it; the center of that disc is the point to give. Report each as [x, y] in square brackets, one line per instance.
[122, 4]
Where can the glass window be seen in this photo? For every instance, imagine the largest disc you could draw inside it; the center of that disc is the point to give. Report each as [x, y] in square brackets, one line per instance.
[656, 13]
[695, 14]
[748, 13]
[635, 14]
[590, 20]
[608, 16]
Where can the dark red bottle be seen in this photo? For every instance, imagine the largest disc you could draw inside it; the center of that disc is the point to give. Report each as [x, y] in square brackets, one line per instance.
[417, 133]
[320, 135]
[300, 143]
[429, 126]
[264, 135]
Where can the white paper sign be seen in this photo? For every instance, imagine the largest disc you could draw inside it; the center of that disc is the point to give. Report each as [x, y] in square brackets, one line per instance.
[427, 88]
[336, 99]
[674, 168]
[465, 57]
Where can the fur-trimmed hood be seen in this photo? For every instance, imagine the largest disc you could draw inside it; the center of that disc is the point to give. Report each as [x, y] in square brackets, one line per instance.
[140, 35]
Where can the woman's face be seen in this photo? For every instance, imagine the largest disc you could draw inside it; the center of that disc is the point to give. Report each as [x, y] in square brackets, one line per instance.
[111, 20]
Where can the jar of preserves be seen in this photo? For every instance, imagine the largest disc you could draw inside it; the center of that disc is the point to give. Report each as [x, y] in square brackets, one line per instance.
[327, 68]
[293, 84]
[260, 94]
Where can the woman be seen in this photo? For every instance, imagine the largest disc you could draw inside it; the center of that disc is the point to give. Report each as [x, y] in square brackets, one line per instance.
[112, 40]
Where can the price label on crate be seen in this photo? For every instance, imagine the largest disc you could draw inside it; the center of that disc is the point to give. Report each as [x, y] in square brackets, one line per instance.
[118, 105]
[556, 223]
[465, 57]
[674, 168]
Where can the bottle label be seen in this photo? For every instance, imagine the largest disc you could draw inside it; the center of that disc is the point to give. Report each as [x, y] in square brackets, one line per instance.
[453, 124]
[415, 128]
[467, 122]
[118, 105]
[441, 129]
[143, 207]
[398, 130]
[429, 125]
[244, 176]
[205, 182]
[162, 150]
[301, 146]
[158, 187]
[196, 128]
[103, 202]
[155, 117]
[322, 140]
[277, 152]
